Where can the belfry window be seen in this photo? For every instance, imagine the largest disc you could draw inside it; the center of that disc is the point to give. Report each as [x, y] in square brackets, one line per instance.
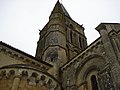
[94, 82]
[71, 36]
[80, 42]
[75, 38]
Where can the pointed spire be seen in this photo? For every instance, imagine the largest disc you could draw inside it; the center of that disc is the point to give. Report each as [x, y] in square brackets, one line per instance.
[57, 7]
[60, 8]
[58, 1]
[65, 11]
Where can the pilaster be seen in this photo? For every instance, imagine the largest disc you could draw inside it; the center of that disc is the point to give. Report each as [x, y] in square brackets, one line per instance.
[112, 57]
[16, 82]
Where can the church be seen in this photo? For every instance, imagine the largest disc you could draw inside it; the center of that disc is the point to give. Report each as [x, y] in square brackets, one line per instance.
[63, 59]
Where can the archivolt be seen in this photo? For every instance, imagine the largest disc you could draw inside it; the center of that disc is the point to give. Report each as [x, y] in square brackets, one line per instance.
[93, 66]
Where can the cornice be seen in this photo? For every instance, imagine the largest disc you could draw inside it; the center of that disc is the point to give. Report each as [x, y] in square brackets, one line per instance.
[24, 57]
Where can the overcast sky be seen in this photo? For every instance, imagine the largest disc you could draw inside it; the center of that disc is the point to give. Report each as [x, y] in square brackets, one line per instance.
[21, 19]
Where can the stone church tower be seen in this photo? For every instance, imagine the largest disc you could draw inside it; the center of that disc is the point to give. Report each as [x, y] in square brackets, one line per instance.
[63, 60]
[61, 39]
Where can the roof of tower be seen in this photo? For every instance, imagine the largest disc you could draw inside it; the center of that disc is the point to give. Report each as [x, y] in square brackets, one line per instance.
[65, 11]
[60, 8]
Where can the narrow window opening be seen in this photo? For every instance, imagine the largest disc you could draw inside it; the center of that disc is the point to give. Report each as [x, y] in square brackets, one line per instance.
[68, 52]
[94, 82]
[71, 26]
[75, 39]
[52, 59]
[71, 36]
[80, 42]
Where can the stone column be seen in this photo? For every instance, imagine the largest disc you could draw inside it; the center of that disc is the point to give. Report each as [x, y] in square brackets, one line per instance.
[115, 67]
[116, 49]
[16, 83]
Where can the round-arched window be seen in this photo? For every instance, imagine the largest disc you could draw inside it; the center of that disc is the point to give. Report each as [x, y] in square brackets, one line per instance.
[94, 82]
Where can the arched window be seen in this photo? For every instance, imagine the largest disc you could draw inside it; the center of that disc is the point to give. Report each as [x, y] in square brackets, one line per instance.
[94, 82]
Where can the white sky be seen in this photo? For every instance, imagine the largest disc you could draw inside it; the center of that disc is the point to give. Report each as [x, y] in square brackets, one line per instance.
[21, 19]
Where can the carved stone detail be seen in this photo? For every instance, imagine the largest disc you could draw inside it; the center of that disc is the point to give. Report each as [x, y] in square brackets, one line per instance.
[105, 80]
[32, 76]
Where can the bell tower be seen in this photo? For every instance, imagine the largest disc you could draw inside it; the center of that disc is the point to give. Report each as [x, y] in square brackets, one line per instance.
[52, 43]
[61, 38]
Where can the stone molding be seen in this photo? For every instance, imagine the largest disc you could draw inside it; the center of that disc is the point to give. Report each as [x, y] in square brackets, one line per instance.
[33, 76]
[23, 58]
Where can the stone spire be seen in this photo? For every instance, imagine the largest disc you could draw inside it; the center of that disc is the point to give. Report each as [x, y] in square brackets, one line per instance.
[61, 9]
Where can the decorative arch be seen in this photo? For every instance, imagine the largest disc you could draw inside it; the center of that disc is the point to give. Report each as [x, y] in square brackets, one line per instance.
[90, 69]
[91, 65]
[87, 59]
